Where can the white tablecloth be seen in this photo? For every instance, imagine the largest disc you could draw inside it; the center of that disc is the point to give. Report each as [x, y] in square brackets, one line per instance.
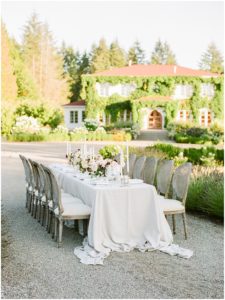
[122, 217]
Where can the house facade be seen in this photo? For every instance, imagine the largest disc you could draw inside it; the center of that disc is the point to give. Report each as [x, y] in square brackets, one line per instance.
[151, 95]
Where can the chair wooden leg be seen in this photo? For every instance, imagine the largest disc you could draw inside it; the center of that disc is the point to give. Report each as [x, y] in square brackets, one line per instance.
[53, 226]
[56, 229]
[174, 224]
[60, 233]
[85, 226]
[185, 225]
[39, 211]
[27, 197]
[49, 221]
[46, 216]
[76, 225]
[30, 203]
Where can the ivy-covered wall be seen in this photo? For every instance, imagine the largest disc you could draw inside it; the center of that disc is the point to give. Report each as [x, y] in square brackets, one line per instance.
[150, 86]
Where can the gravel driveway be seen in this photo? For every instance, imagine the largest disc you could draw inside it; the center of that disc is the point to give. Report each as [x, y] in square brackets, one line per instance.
[33, 267]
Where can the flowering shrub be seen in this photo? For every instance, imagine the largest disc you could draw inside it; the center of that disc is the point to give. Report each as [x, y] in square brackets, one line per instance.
[60, 129]
[91, 124]
[26, 124]
[109, 151]
[206, 191]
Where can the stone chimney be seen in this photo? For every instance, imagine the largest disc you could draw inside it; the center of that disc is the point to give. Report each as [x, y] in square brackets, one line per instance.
[129, 62]
[174, 69]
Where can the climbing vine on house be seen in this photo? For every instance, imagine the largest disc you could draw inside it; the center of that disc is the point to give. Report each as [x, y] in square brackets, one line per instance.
[150, 86]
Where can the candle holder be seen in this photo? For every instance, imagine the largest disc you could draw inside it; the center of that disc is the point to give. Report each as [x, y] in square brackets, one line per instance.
[124, 180]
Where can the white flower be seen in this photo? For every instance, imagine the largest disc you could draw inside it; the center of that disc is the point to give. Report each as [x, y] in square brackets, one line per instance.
[84, 164]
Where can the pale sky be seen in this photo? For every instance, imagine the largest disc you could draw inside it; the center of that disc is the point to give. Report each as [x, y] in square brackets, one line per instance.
[188, 26]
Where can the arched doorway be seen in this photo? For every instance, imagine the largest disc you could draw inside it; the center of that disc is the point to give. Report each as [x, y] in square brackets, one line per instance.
[155, 120]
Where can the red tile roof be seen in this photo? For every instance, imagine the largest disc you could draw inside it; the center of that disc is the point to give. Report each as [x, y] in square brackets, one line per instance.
[76, 103]
[155, 70]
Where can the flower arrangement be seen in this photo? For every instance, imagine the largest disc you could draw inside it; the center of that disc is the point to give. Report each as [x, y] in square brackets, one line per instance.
[94, 165]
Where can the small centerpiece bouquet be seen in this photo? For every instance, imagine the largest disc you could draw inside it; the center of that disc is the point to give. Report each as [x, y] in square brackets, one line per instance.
[94, 165]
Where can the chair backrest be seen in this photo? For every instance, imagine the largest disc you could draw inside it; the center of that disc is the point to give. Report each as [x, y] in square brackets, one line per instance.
[55, 189]
[163, 176]
[39, 176]
[42, 177]
[35, 174]
[138, 167]
[132, 159]
[48, 185]
[28, 170]
[180, 182]
[149, 170]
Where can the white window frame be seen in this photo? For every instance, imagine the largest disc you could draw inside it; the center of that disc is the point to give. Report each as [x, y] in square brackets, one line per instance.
[207, 90]
[183, 91]
[205, 111]
[184, 118]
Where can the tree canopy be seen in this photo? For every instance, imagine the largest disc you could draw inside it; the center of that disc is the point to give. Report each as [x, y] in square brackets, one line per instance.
[212, 60]
[162, 54]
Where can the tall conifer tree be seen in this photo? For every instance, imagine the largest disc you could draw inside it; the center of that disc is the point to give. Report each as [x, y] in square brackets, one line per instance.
[212, 60]
[100, 58]
[117, 55]
[136, 54]
[162, 54]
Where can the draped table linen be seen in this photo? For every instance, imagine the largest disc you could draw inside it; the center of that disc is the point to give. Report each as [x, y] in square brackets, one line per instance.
[122, 217]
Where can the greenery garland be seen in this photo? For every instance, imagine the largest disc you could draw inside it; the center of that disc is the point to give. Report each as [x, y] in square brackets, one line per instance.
[150, 86]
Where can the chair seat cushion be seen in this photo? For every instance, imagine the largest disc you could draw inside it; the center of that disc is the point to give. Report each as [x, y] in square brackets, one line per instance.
[67, 198]
[74, 209]
[170, 204]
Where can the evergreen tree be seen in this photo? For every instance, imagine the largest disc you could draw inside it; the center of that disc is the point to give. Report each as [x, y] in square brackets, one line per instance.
[8, 78]
[162, 54]
[26, 85]
[43, 61]
[100, 58]
[117, 55]
[132, 57]
[74, 65]
[136, 54]
[212, 60]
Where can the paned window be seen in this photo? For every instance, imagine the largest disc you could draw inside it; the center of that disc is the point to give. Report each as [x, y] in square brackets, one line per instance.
[205, 117]
[83, 116]
[74, 116]
[207, 90]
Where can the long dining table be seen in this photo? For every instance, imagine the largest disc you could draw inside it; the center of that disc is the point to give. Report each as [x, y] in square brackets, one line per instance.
[123, 217]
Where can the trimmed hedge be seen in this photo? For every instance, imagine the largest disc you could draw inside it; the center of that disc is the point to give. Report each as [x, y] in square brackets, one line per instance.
[193, 155]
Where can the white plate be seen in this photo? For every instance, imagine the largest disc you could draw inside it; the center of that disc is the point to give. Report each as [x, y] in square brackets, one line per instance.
[135, 181]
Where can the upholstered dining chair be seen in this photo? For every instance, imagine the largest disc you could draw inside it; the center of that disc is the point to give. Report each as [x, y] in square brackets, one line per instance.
[163, 176]
[149, 170]
[37, 189]
[138, 167]
[132, 159]
[64, 207]
[29, 182]
[40, 186]
[176, 205]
